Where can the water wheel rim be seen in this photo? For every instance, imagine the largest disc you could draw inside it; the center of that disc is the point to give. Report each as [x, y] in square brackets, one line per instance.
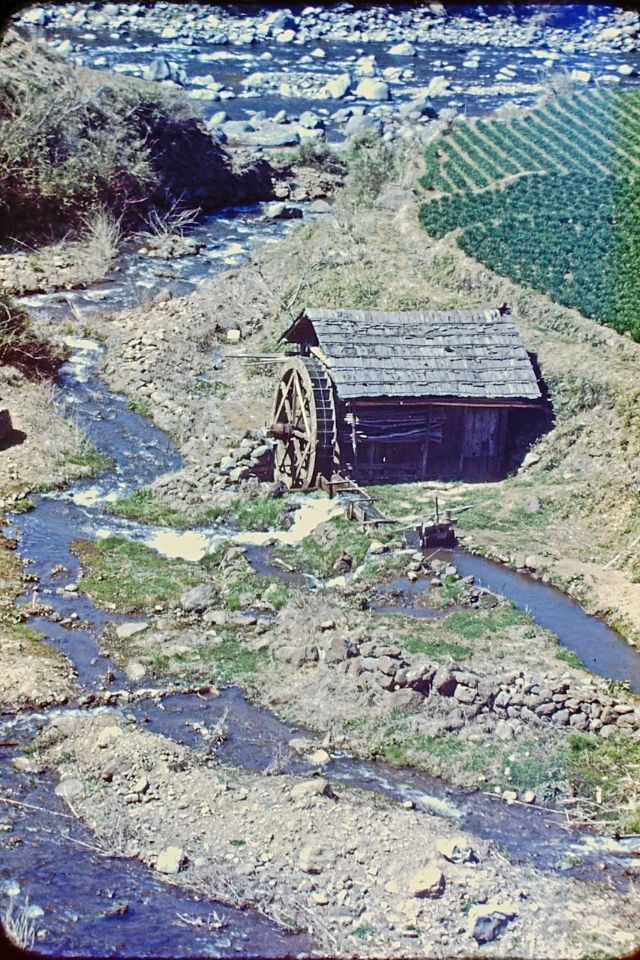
[295, 408]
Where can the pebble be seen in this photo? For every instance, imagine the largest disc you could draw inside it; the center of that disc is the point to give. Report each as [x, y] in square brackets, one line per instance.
[170, 860]
[429, 882]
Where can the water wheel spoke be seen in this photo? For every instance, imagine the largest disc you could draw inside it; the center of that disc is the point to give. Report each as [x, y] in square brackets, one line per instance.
[280, 402]
[304, 413]
[303, 402]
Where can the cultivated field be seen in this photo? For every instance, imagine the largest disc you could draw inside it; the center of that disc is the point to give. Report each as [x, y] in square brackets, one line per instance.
[549, 198]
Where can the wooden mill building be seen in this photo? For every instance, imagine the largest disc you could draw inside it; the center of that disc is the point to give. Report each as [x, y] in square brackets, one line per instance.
[391, 396]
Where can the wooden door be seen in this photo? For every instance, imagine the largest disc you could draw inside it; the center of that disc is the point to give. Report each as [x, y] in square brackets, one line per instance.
[482, 443]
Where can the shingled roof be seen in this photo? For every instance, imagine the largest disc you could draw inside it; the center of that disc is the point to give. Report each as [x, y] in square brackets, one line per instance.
[458, 353]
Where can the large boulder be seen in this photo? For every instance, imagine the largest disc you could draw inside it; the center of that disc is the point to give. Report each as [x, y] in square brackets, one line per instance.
[338, 87]
[371, 88]
[199, 598]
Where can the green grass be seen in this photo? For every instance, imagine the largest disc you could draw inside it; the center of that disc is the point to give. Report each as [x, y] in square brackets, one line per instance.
[528, 764]
[88, 460]
[437, 648]
[229, 661]
[255, 514]
[318, 556]
[608, 767]
[145, 506]
[244, 587]
[484, 624]
[258, 514]
[554, 764]
[132, 576]
[24, 505]
[568, 656]
[141, 406]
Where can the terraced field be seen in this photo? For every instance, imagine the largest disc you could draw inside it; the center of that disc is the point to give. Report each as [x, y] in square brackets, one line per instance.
[550, 199]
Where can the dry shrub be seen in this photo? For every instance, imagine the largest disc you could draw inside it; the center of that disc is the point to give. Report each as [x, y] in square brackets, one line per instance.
[17, 924]
[19, 344]
[102, 236]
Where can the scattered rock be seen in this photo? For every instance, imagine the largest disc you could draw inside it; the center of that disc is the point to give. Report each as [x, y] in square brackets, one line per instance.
[457, 850]
[126, 630]
[70, 789]
[427, 883]
[314, 858]
[199, 598]
[487, 922]
[171, 860]
[370, 88]
[135, 670]
[317, 787]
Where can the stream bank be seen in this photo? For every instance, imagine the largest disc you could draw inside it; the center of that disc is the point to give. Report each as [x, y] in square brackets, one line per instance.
[79, 511]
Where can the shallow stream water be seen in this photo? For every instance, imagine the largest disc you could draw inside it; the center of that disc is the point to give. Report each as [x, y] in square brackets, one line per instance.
[56, 864]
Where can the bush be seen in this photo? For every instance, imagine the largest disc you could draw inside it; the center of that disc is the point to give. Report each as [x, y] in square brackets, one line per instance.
[74, 140]
[317, 154]
[371, 165]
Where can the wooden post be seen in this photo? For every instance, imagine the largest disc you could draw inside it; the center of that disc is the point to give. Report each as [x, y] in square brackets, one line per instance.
[425, 448]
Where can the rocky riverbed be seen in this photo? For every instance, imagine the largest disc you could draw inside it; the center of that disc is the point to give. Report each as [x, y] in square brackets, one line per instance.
[278, 78]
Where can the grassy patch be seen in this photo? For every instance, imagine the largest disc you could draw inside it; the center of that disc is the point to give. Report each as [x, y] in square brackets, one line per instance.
[243, 588]
[24, 505]
[256, 514]
[528, 764]
[145, 506]
[232, 659]
[138, 405]
[318, 553]
[132, 576]
[482, 624]
[604, 774]
[437, 648]
[87, 459]
[568, 656]
[607, 772]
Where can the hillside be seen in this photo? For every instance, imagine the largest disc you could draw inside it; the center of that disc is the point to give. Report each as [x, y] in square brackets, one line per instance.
[75, 140]
[549, 198]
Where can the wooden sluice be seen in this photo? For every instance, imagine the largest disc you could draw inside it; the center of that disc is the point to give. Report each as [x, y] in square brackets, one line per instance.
[360, 506]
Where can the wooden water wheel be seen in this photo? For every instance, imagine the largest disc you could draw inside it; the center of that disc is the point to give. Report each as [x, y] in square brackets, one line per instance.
[304, 424]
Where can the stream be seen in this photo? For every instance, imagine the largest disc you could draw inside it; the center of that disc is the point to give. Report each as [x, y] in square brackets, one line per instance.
[83, 913]
[75, 891]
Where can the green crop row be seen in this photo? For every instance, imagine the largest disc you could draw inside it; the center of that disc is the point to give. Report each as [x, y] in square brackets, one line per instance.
[550, 199]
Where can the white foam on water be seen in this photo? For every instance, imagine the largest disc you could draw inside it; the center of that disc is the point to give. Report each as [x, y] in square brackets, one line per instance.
[94, 495]
[103, 533]
[315, 509]
[82, 343]
[184, 545]
[193, 545]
